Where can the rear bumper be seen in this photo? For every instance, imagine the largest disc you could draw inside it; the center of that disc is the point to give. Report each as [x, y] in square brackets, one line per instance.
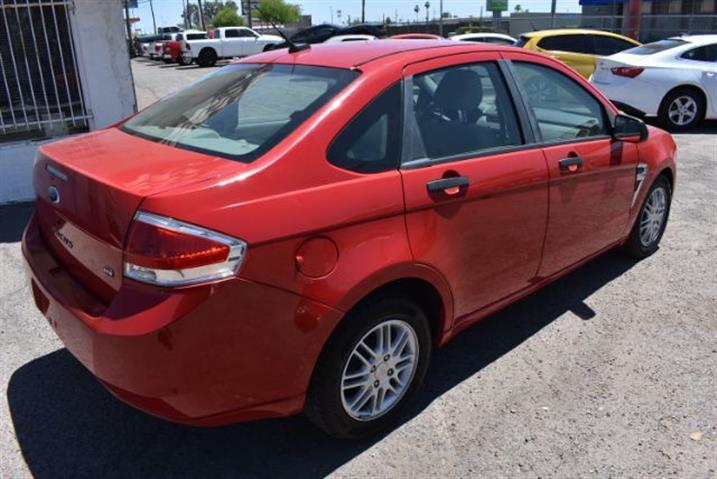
[206, 355]
[634, 94]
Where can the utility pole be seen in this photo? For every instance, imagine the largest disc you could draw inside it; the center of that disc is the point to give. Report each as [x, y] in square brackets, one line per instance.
[363, 11]
[552, 13]
[130, 43]
[440, 18]
[201, 16]
[154, 23]
[332, 14]
[184, 14]
[248, 13]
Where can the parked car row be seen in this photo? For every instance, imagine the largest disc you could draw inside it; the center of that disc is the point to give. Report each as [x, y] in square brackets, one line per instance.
[674, 80]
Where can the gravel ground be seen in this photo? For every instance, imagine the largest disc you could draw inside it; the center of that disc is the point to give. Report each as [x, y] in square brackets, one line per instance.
[608, 372]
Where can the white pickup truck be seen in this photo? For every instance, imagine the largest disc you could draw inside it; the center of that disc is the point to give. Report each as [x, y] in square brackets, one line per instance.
[227, 42]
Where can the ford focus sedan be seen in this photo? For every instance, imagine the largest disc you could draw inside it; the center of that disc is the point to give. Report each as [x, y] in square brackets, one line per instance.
[297, 231]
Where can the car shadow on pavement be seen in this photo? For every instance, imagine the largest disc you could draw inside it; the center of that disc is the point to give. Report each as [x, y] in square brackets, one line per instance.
[13, 218]
[67, 424]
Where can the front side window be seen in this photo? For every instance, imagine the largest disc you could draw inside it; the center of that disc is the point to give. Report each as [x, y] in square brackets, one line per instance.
[371, 141]
[606, 46]
[706, 53]
[563, 109]
[242, 110]
[463, 110]
[567, 43]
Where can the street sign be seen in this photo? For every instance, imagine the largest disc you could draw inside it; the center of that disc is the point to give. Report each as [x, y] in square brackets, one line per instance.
[247, 5]
[497, 5]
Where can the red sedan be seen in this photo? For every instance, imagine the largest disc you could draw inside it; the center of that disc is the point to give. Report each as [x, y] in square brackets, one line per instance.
[297, 231]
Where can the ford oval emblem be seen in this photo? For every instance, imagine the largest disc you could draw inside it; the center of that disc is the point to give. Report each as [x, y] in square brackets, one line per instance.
[53, 194]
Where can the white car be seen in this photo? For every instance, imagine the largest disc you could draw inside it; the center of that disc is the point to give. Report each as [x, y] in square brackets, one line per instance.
[494, 38]
[674, 79]
[228, 42]
[349, 38]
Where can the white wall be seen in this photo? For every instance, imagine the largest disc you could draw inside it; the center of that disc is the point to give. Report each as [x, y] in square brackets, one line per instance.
[99, 37]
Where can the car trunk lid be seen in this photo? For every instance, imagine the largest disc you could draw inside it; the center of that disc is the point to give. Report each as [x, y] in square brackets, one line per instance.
[89, 187]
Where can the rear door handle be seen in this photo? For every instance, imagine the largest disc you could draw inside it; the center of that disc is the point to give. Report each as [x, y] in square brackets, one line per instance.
[570, 164]
[449, 186]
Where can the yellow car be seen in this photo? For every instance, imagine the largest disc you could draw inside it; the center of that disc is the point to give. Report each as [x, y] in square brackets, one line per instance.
[579, 48]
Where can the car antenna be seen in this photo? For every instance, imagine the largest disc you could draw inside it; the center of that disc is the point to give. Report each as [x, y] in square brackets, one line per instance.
[293, 47]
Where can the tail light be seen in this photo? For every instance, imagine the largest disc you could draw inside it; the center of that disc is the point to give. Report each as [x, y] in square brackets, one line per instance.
[629, 72]
[167, 252]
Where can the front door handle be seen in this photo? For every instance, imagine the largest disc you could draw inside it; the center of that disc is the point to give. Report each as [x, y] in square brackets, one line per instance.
[570, 164]
[449, 186]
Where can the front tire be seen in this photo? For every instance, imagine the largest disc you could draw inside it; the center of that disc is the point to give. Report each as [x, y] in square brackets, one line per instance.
[651, 220]
[371, 368]
[681, 109]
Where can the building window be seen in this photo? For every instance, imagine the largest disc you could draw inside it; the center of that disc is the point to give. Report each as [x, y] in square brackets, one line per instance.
[40, 90]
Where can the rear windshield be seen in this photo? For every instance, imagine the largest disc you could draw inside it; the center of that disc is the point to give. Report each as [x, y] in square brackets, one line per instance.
[242, 110]
[655, 47]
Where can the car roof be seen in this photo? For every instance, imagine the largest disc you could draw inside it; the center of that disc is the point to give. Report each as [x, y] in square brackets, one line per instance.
[354, 54]
[697, 39]
[570, 31]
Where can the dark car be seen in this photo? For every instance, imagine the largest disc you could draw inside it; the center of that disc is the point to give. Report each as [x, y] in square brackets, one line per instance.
[377, 30]
[317, 34]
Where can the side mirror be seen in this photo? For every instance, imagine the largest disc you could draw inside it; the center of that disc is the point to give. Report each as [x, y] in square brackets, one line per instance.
[628, 128]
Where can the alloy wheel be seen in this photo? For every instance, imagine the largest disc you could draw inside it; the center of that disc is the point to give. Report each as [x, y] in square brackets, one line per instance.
[653, 217]
[379, 370]
[683, 110]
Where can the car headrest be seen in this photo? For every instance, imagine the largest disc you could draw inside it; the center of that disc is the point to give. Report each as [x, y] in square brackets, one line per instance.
[459, 90]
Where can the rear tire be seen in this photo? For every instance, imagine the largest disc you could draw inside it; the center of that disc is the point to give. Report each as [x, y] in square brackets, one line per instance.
[207, 58]
[180, 60]
[681, 109]
[352, 398]
[651, 220]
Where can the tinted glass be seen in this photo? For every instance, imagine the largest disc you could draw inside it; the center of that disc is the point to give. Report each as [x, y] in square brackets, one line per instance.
[463, 110]
[522, 41]
[371, 141]
[656, 47]
[240, 111]
[567, 43]
[706, 53]
[231, 34]
[196, 36]
[563, 109]
[608, 45]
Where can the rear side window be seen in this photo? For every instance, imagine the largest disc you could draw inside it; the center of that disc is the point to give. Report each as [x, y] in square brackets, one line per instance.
[231, 33]
[463, 110]
[563, 109]
[522, 41]
[371, 141]
[242, 110]
[606, 46]
[706, 53]
[196, 36]
[567, 43]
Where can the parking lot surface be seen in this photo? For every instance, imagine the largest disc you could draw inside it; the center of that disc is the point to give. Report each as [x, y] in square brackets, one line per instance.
[608, 372]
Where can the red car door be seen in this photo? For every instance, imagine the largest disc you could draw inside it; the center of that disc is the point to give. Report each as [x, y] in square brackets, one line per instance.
[592, 176]
[476, 194]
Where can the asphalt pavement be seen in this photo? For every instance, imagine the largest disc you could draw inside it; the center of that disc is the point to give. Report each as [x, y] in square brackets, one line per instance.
[608, 372]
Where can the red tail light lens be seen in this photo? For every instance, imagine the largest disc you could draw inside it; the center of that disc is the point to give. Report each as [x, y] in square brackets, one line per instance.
[629, 72]
[168, 252]
[156, 247]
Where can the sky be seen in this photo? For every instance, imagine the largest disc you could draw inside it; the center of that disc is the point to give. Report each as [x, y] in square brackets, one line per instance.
[168, 12]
